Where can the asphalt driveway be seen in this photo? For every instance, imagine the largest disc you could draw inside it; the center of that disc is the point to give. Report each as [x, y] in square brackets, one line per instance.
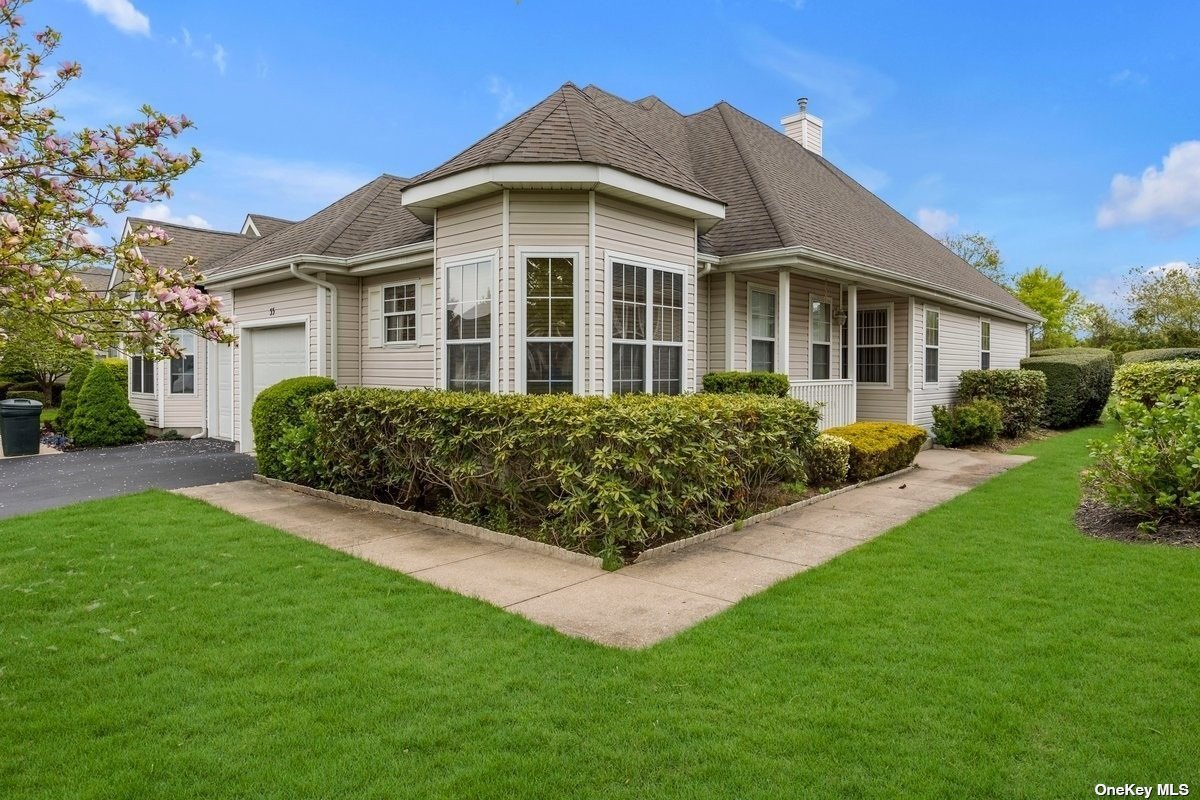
[40, 482]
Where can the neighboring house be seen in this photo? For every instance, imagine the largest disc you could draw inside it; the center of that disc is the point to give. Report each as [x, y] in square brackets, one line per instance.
[172, 393]
[597, 246]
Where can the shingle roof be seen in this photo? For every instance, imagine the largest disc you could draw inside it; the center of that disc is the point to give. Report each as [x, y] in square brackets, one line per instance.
[367, 220]
[267, 225]
[208, 246]
[93, 279]
[569, 127]
[779, 194]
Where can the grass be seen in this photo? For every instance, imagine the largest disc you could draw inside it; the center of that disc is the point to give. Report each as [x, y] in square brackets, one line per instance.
[49, 414]
[154, 647]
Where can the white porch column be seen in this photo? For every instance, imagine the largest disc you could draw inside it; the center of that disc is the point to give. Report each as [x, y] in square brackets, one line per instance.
[783, 306]
[852, 346]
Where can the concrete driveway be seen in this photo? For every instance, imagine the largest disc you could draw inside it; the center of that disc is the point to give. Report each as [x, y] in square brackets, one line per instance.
[40, 482]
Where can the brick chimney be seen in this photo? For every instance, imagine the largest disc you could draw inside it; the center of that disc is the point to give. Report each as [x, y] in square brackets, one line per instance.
[804, 127]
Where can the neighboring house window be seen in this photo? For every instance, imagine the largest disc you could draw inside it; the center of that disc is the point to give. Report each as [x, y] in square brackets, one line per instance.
[762, 331]
[141, 375]
[985, 344]
[820, 332]
[872, 345]
[400, 313]
[183, 368]
[550, 325]
[469, 327]
[647, 320]
[933, 321]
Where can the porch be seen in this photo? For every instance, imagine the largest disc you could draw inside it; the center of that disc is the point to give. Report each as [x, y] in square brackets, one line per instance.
[800, 323]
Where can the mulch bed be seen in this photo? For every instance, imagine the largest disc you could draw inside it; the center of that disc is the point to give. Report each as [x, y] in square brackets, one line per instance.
[1096, 519]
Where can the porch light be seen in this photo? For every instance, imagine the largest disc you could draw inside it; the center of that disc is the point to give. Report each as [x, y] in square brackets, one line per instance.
[840, 317]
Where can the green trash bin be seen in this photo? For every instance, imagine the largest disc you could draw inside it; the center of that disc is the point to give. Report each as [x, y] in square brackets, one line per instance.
[20, 427]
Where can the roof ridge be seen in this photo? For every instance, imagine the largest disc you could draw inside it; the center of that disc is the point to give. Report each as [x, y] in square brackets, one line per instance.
[669, 162]
[529, 124]
[586, 142]
[160, 223]
[346, 218]
[770, 202]
[268, 216]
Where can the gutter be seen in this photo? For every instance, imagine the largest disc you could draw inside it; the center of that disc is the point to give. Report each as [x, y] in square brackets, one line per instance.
[336, 264]
[333, 320]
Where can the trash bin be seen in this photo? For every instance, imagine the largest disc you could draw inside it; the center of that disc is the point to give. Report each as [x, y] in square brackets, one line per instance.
[20, 427]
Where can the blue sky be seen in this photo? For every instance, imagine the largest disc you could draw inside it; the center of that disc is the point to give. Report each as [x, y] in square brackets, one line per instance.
[1070, 138]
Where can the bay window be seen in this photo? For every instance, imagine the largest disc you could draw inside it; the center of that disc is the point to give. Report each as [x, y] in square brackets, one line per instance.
[469, 327]
[550, 325]
[183, 368]
[647, 329]
[141, 375]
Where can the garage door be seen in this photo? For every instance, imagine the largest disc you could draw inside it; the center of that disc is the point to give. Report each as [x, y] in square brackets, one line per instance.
[275, 353]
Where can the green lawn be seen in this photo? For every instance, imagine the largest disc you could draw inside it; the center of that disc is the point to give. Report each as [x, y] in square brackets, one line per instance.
[49, 414]
[154, 647]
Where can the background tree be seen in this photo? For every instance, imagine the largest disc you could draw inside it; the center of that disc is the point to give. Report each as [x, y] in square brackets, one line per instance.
[55, 188]
[34, 353]
[980, 252]
[1164, 305]
[1049, 295]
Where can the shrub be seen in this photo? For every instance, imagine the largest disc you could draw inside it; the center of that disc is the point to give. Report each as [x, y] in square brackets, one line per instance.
[1078, 384]
[877, 448]
[828, 461]
[1145, 381]
[974, 422]
[1152, 466]
[1162, 354]
[4, 387]
[70, 395]
[26, 394]
[1020, 393]
[119, 368]
[608, 476]
[277, 410]
[769, 383]
[103, 416]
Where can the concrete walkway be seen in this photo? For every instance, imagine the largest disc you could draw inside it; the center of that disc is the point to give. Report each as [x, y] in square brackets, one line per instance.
[640, 604]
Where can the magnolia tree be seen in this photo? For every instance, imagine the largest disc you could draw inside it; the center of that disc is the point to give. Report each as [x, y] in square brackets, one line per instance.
[54, 188]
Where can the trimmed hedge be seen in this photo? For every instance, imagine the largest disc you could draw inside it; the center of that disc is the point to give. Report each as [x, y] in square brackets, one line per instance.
[606, 476]
[26, 394]
[768, 383]
[828, 461]
[1020, 393]
[877, 448]
[1162, 354]
[119, 368]
[1078, 384]
[70, 395]
[281, 445]
[1146, 381]
[974, 422]
[103, 416]
[1151, 467]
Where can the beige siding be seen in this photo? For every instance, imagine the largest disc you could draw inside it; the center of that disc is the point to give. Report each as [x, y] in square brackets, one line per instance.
[703, 300]
[184, 413]
[399, 366]
[716, 321]
[279, 300]
[146, 405]
[348, 337]
[959, 350]
[880, 402]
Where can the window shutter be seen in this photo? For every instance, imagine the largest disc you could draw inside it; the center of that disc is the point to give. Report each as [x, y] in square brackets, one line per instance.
[425, 325]
[375, 317]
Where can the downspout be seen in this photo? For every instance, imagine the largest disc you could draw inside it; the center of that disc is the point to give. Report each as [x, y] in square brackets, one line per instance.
[208, 362]
[333, 321]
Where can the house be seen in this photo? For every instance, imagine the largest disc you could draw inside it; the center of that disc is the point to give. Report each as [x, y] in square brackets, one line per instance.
[598, 246]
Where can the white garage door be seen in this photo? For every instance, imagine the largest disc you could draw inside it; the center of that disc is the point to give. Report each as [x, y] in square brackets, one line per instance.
[275, 353]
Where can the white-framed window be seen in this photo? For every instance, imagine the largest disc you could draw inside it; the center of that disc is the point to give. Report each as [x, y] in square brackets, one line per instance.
[820, 333]
[845, 349]
[551, 313]
[985, 344]
[400, 313]
[469, 299]
[182, 376]
[647, 328]
[873, 345]
[761, 316]
[141, 375]
[933, 334]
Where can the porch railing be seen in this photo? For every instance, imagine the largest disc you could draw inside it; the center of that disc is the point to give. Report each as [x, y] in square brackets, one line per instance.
[835, 399]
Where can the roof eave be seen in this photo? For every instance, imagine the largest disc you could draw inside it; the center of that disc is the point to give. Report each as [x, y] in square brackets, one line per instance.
[425, 198]
[402, 257]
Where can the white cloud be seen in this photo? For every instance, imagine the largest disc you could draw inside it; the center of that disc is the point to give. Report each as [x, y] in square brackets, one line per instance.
[218, 58]
[1172, 266]
[841, 90]
[937, 222]
[1167, 199]
[1128, 77]
[305, 185]
[202, 51]
[121, 14]
[872, 178]
[506, 99]
[160, 212]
